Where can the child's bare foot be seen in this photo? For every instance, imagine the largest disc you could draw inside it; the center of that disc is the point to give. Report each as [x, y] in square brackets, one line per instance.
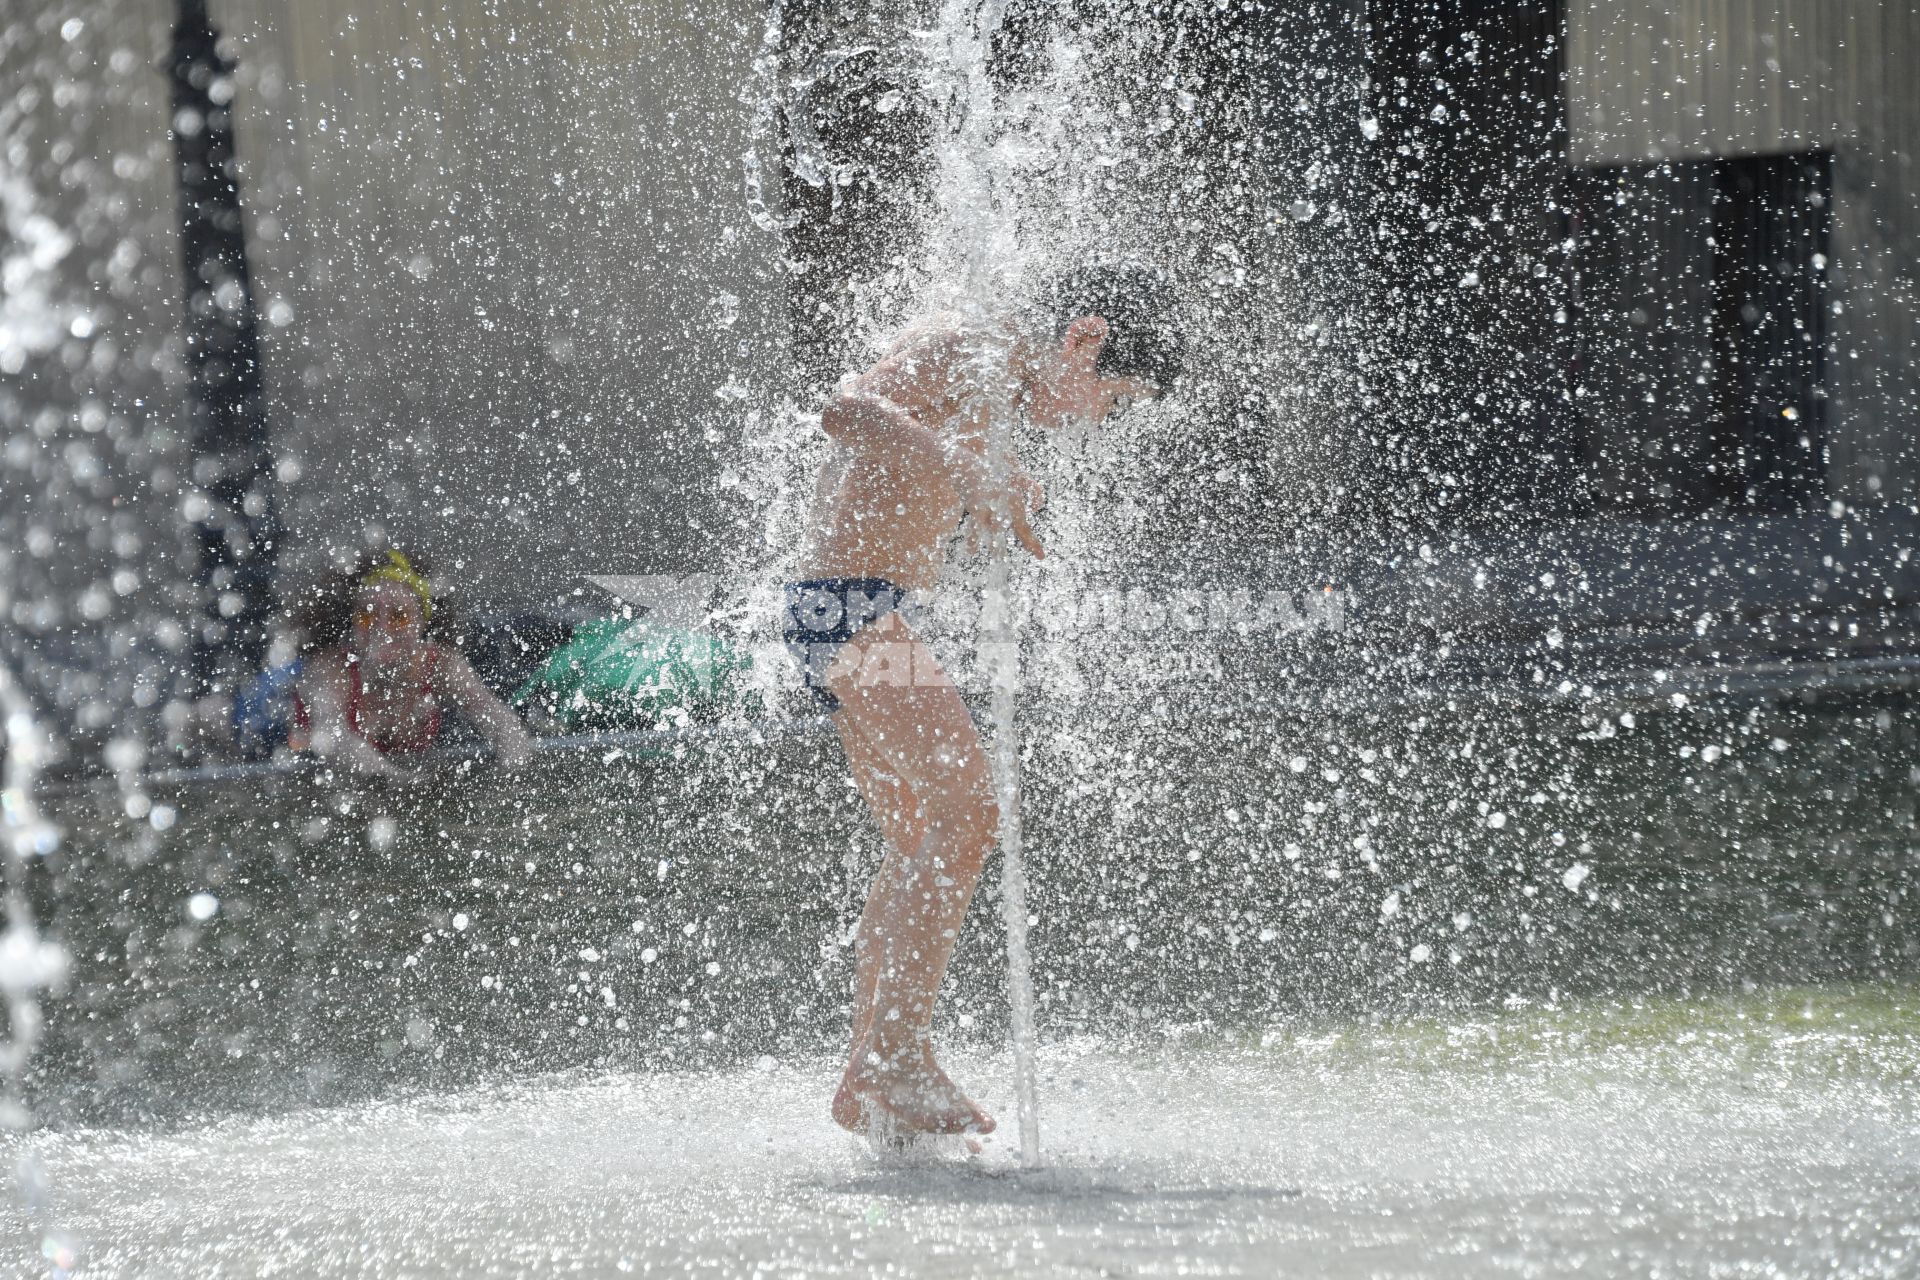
[906, 1092]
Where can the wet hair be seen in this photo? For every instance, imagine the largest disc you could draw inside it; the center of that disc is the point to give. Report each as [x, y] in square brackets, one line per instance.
[1144, 338]
[323, 610]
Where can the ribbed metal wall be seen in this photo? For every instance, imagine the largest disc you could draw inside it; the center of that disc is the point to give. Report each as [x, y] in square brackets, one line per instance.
[1694, 78]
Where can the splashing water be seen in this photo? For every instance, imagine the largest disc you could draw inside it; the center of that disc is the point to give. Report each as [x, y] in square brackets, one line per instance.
[1768, 1134]
[29, 964]
[1337, 952]
[975, 203]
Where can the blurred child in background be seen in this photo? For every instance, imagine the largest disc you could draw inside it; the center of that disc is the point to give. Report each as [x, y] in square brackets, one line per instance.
[373, 683]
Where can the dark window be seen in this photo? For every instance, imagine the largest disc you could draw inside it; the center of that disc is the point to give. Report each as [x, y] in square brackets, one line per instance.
[1771, 220]
[1699, 294]
[1461, 235]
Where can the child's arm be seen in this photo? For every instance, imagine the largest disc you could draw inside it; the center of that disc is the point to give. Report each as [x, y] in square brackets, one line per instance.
[861, 419]
[511, 743]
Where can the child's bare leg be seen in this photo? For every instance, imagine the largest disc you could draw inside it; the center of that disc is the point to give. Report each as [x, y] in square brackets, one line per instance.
[914, 920]
[897, 811]
[923, 735]
[902, 949]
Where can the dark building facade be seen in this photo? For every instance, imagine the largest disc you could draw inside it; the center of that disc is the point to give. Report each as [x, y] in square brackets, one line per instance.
[1602, 314]
[1662, 240]
[1640, 320]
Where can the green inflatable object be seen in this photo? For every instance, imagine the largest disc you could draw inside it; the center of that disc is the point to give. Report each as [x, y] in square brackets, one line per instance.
[615, 674]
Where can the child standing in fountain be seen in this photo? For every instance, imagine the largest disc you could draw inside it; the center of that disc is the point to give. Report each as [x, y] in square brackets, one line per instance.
[909, 463]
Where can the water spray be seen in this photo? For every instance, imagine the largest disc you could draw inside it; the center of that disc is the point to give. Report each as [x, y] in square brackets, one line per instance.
[1000, 636]
[29, 963]
[1013, 875]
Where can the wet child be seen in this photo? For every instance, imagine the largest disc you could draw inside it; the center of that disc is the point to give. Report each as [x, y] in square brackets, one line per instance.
[378, 689]
[909, 464]
[368, 684]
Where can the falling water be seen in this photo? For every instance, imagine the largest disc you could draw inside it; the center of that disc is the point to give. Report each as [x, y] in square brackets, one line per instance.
[988, 212]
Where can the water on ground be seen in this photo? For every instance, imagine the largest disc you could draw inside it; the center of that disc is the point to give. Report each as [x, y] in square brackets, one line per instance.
[1775, 1132]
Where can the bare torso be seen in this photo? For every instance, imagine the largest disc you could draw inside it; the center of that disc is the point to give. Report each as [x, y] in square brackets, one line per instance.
[404, 706]
[891, 516]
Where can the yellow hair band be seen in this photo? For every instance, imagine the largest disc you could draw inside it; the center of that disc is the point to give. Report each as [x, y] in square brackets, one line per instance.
[400, 569]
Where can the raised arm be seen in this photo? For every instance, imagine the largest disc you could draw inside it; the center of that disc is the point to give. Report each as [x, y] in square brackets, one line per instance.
[858, 418]
[462, 686]
[863, 419]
